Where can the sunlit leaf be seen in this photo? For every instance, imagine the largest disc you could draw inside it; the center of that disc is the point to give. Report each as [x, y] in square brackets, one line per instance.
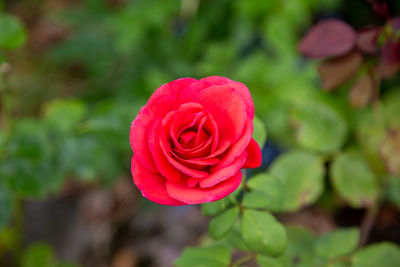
[212, 256]
[300, 176]
[337, 243]
[263, 233]
[12, 32]
[354, 180]
[382, 254]
[319, 127]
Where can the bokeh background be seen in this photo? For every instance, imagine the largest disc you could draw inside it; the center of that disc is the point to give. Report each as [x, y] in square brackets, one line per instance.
[74, 74]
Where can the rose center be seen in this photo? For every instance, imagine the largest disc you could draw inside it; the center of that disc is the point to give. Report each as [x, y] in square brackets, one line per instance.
[192, 138]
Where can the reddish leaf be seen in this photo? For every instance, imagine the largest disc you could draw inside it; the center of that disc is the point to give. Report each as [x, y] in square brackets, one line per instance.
[390, 52]
[394, 23]
[366, 40]
[361, 92]
[331, 37]
[387, 70]
[337, 71]
[380, 7]
[390, 151]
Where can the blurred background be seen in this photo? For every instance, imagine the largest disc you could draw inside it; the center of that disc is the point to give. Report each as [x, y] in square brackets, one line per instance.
[74, 74]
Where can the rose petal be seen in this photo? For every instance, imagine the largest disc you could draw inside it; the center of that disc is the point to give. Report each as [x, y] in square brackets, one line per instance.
[241, 89]
[171, 89]
[177, 166]
[227, 108]
[253, 155]
[151, 185]
[224, 173]
[198, 152]
[163, 165]
[237, 148]
[175, 122]
[192, 182]
[139, 139]
[195, 195]
[188, 137]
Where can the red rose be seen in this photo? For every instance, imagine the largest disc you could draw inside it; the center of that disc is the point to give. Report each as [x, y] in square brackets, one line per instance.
[191, 139]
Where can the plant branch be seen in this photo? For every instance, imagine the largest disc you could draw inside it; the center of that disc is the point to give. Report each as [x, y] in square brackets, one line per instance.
[367, 224]
[243, 259]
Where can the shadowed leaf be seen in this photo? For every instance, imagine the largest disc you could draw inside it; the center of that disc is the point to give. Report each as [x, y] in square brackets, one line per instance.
[361, 92]
[367, 38]
[335, 72]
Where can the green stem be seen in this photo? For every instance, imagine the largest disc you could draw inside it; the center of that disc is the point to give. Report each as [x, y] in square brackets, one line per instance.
[5, 97]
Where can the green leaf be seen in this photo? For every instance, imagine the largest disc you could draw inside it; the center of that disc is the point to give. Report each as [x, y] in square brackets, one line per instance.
[391, 108]
[39, 255]
[263, 233]
[234, 238]
[382, 254]
[337, 243]
[31, 167]
[300, 250]
[319, 127]
[354, 180]
[42, 255]
[212, 256]
[259, 132]
[64, 114]
[265, 261]
[5, 206]
[301, 174]
[268, 192]
[393, 189]
[12, 32]
[220, 225]
[213, 208]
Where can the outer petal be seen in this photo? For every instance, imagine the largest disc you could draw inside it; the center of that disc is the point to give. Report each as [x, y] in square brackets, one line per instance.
[154, 109]
[241, 89]
[139, 139]
[224, 173]
[195, 195]
[253, 155]
[171, 89]
[151, 185]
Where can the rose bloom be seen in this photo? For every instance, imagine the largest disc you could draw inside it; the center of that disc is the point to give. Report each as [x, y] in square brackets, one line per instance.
[191, 139]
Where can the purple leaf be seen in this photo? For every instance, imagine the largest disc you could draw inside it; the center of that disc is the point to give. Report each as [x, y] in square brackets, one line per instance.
[331, 37]
[367, 40]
